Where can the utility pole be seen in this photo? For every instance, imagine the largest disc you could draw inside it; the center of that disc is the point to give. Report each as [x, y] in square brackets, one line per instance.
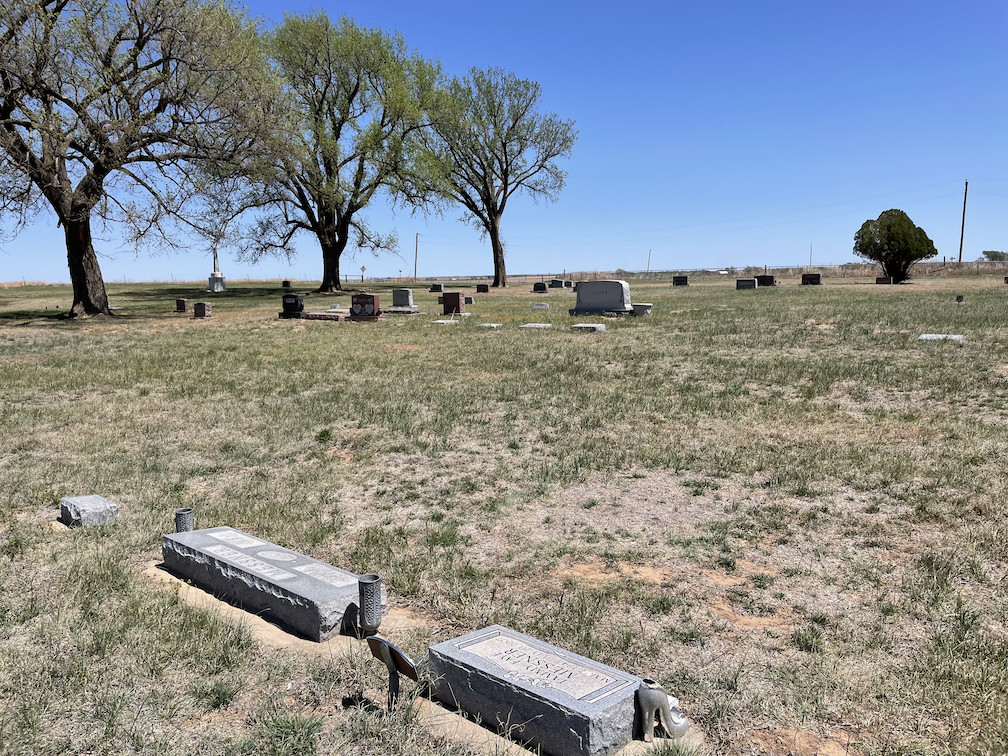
[810, 256]
[649, 261]
[962, 231]
[416, 253]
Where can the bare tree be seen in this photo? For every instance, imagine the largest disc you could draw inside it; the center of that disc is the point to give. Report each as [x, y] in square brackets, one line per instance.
[488, 141]
[106, 108]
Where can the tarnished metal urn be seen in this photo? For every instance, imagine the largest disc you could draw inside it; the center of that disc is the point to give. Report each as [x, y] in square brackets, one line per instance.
[184, 520]
[370, 613]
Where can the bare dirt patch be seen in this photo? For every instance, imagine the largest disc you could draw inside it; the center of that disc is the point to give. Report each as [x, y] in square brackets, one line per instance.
[799, 743]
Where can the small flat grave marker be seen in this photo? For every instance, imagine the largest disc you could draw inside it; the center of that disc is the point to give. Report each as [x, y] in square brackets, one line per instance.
[309, 596]
[446, 322]
[547, 697]
[491, 325]
[588, 327]
[87, 511]
[537, 325]
[540, 306]
[940, 337]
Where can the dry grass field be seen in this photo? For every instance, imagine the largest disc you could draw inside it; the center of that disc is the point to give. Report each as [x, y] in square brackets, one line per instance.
[779, 503]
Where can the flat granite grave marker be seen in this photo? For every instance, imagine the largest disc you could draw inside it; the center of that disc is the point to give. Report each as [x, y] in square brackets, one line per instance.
[603, 298]
[588, 327]
[537, 325]
[537, 693]
[940, 337]
[87, 511]
[494, 326]
[540, 306]
[309, 596]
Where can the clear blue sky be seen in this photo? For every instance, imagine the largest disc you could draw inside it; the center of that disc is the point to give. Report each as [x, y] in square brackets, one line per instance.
[712, 134]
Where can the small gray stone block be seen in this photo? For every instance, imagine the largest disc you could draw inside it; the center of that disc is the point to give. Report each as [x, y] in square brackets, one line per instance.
[745, 283]
[490, 325]
[309, 596]
[540, 306]
[446, 322]
[583, 327]
[87, 511]
[537, 693]
[470, 300]
[537, 325]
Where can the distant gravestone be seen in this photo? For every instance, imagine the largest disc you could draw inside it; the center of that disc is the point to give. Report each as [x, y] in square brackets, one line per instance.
[446, 322]
[454, 302]
[402, 303]
[292, 306]
[746, 283]
[202, 310]
[811, 279]
[680, 280]
[883, 280]
[311, 597]
[603, 298]
[766, 280]
[215, 283]
[285, 284]
[482, 288]
[540, 306]
[365, 307]
[539, 287]
[87, 511]
[539, 694]
[470, 300]
[494, 326]
[568, 284]
[436, 287]
[537, 325]
[588, 327]
[556, 283]
[181, 305]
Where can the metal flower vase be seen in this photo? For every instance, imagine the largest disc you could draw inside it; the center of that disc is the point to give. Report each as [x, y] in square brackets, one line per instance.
[369, 613]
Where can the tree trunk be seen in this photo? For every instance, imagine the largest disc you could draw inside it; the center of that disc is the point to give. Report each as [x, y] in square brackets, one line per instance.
[500, 271]
[331, 266]
[85, 274]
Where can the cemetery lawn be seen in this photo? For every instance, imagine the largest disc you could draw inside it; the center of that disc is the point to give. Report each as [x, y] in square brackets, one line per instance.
[779, 503]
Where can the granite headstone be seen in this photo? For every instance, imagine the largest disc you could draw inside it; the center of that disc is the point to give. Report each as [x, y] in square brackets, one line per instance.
[603, 298]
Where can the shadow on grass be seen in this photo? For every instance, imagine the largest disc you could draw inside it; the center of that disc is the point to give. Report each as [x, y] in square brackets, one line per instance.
[30, 316]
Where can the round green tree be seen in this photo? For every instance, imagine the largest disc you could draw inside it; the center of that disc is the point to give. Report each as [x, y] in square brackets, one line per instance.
[894, 242]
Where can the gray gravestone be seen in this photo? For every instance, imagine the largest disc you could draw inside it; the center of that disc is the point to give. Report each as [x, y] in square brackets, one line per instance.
[588, 327]
[535, 692]
[494, 326]
[215, 283]
[603, 298]
[556, 283]
[402, 297]
[745, 283]
[86, 511]
[940, 337]
[540, 306]
[309, 596]
[537, 325]
[539, 287]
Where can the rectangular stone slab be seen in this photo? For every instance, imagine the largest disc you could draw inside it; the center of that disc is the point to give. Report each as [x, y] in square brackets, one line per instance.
[309, 596]
[87, 511]
[537, 693]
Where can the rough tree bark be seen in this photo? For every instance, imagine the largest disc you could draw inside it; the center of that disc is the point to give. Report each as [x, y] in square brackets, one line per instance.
[500, 270]
[331, 266]
[85, 274]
